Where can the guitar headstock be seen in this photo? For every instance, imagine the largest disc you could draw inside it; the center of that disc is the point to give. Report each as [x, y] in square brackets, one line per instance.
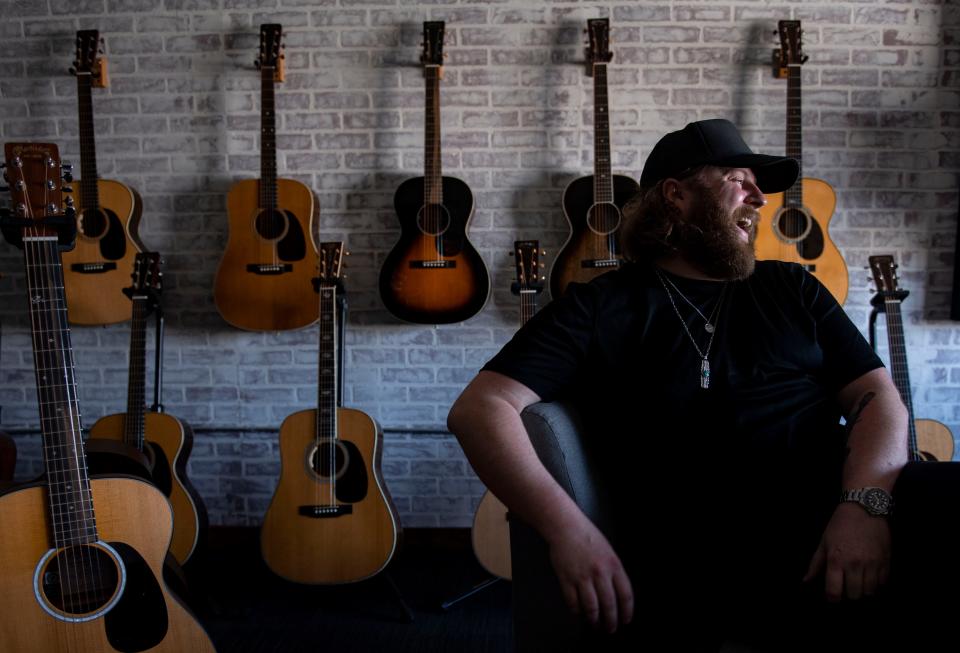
[271, 50]
[330, 255]
[35, 175]
[147, 277]
[433, 33]
[526, 255]
[884, 271]
[88, 60]
[790, 52]
[598, 47]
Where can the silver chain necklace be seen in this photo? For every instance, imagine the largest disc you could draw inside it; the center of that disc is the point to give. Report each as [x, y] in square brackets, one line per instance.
[704, 355]
[708, 323]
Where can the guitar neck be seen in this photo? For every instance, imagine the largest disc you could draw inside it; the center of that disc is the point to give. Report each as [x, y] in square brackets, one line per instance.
[602, 180]
[528, 304]
[68, 483]
[899, 368]
[793, 196]
[268, 139]
[133, 421]
[327, 399]
[433, 174]
[88, 149]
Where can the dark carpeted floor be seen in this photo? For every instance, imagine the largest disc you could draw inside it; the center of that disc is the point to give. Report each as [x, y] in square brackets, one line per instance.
[246, 609]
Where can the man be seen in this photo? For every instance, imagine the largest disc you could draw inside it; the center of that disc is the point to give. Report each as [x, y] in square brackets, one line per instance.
[714, 387]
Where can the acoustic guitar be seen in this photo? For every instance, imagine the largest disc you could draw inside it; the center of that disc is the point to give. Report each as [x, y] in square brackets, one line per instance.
[264, 275]
[433, 275]
[108, 212]
[928, 438]
[491, 533]
[331, 519]
[164, 440]
[794, 223]
[592, 204]
[80, 560]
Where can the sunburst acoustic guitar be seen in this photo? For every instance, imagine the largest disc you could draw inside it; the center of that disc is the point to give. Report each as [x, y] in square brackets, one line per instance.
[592, 204]
[331, 519]
[164, 440]
[928, 438]
[108, 212]
[263, 280]
[793, 225]
[491, 533]
[80, 560]
[433, 275]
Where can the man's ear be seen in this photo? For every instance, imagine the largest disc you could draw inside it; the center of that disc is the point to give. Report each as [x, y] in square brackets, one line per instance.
[674, 193]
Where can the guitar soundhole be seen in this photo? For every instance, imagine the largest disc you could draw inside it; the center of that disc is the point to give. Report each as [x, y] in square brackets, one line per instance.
[792, 224]
[80, 582]
[603, 219]
[271, 224]
[94, 223]
[433, 219]
[329, 459]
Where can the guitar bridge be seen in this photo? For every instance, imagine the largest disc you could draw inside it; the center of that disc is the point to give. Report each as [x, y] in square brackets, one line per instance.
[269, 268]
[432, 265]
[93, 268]
[600, 263]
[321, 512]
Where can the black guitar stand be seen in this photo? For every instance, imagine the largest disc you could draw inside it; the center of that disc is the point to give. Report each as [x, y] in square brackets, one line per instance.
[157, 406]
[446, 605]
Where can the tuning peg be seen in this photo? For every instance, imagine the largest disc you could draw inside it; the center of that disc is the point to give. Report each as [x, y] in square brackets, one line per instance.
[68, 167]
[72, 70]
[67, 189]
[68, 201]
[67, 177]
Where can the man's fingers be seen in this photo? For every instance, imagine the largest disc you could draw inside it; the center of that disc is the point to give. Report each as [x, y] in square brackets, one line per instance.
[816, 563]
[589, 605]
[608, 605]
[621, 584]
[833, 582]
[570, 597]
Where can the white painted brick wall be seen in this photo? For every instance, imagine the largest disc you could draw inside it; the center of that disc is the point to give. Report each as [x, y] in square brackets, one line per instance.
[180, 122]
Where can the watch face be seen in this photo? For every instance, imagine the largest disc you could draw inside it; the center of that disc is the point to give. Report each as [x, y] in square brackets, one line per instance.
[876, 501]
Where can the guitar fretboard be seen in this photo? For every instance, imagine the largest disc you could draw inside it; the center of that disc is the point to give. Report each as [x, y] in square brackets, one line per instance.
[327, 399]
[899, 368]
[88, 150]
[133, 421]
[793, 196]
[68, 484]
[433, 174]
[268, 140]
[602, 182]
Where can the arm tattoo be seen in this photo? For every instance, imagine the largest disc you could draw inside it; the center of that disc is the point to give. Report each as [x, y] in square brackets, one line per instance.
[855, 417]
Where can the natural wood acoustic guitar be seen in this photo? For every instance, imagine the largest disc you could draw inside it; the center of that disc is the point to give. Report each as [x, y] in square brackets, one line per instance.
[433, 275]
[593, 204]
[793, 225]
[108, 212]
[491, 532]
[81, 560]
[263, 281]
[331, 519]
[928, 438]
[164, 440]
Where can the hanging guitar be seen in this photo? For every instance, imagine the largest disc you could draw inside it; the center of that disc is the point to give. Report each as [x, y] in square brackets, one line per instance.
[433, 275]
[331, 519]
[108, 212]
[592, 204]
[491, 533]
[264, 276]
[793, 225]
[164, 440]
[80, 560]
[928, 439]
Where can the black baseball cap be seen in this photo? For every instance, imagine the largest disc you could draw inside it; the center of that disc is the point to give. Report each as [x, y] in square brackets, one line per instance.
[716, 142]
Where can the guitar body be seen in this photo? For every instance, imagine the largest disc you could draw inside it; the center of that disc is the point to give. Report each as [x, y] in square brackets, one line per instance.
[420, 284]
[934, 440]
[594, 232]
[98, 268]
[168, 442]
[331, 549]
[780, 229]
[266, 300]
[133, 518]
[491, 536]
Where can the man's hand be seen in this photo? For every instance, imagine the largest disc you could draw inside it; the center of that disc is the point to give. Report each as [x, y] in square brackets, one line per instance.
[854, 553]
[592, 577]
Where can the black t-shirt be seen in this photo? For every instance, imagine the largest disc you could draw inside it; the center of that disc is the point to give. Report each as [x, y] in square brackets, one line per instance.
[751, 463]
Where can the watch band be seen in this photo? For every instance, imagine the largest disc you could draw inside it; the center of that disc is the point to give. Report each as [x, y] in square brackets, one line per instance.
[876, 501]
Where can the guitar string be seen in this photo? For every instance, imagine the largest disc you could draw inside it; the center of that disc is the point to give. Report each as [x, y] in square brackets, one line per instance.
[90, 199]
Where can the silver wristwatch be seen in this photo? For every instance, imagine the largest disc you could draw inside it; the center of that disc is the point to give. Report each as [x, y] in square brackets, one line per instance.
[876, 501]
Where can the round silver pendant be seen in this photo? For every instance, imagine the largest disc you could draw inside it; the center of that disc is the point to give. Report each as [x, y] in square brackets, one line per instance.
[708, 327]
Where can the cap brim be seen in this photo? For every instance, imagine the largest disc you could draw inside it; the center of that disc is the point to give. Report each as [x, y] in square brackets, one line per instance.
[775, 174]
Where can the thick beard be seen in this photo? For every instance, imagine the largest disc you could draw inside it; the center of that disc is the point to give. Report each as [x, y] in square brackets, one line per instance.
[709, 240]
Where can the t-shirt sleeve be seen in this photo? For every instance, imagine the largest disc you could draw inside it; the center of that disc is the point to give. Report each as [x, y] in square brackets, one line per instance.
[846, 353]
[548, 353]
